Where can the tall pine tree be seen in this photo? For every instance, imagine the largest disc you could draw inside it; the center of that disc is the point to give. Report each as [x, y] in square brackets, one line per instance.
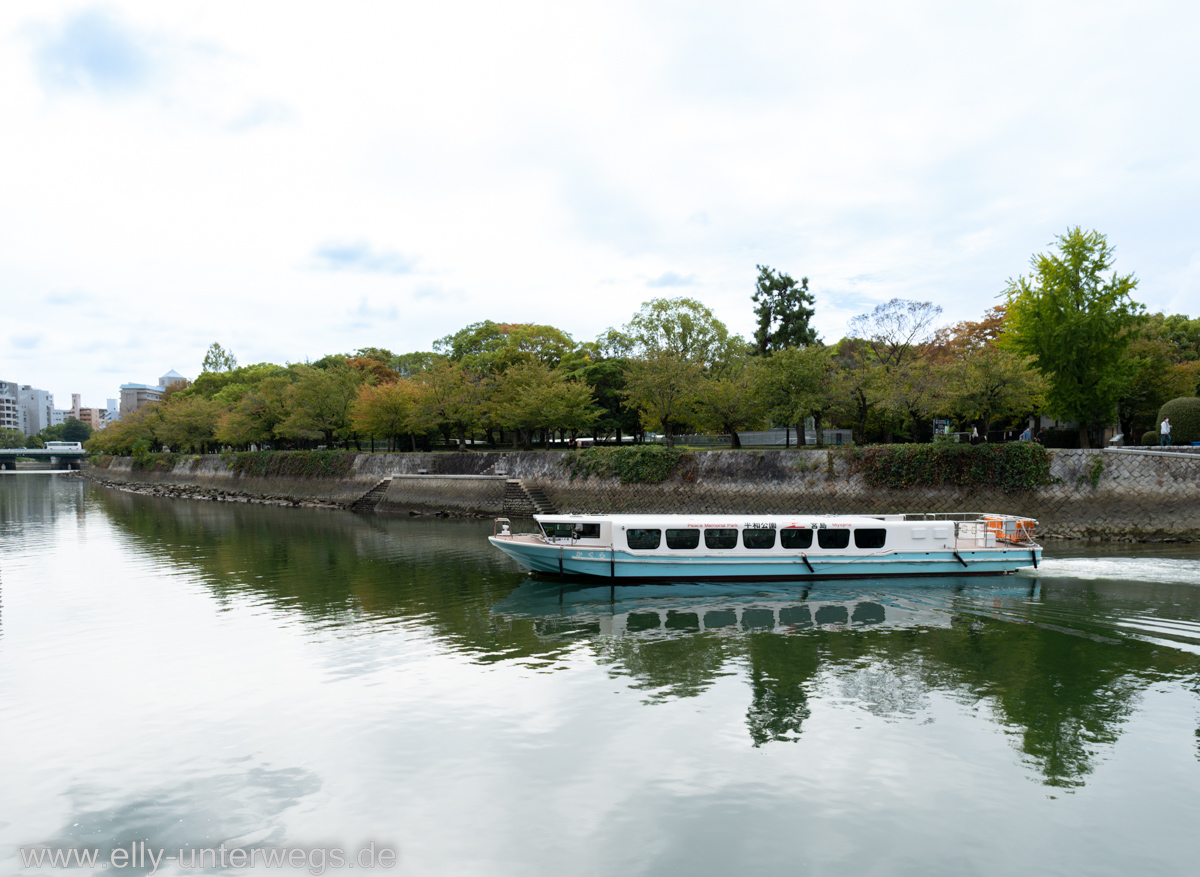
[783, 308]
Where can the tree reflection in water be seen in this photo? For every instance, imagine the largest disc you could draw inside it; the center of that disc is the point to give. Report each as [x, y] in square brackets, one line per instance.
[1061, 661]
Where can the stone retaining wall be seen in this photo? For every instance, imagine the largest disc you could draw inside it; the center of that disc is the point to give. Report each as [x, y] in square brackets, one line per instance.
[1140, 495]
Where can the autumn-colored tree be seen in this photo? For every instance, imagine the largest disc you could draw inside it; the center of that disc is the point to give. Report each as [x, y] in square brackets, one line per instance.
[378, 372]
[388, 411]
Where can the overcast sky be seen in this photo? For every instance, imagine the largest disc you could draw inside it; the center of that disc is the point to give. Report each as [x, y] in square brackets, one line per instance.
[299, 179]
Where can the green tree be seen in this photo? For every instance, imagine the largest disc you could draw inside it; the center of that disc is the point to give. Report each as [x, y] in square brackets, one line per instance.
[452, 398]
[1148, 361]
[12, 438]
[319, 403]
[1075, 324]
[75, 431]
[606, 377]
[912, 393]
[218, 359]
[255, 416]
[412, 364]
[781, 305]
[798, 383]
[732, 401]
[493, 347]
[681, 328]
[663, 388]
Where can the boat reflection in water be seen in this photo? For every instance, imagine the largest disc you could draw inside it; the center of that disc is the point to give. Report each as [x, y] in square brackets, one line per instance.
[690, 608]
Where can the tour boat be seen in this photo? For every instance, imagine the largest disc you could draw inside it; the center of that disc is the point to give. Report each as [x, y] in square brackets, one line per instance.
[782, 547]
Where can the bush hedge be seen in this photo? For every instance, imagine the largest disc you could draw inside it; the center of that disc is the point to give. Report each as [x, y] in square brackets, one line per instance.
[1150, 437]
[639, 464]
[1010, 467]
[1184, 414]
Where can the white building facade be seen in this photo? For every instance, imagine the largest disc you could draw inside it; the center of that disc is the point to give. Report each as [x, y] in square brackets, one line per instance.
[39, 408]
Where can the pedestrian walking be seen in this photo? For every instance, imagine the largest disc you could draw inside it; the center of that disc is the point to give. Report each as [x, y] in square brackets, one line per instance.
[1164, 433]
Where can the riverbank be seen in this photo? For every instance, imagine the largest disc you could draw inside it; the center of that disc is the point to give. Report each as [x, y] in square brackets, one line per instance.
[1107, 495]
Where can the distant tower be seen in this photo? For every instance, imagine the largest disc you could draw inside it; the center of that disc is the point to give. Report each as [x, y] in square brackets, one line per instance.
[76, 405]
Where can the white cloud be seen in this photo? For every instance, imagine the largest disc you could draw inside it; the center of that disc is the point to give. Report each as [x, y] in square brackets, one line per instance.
[182, 168]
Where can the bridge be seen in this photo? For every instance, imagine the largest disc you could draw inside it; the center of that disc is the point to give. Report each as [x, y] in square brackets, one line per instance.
[59, 458]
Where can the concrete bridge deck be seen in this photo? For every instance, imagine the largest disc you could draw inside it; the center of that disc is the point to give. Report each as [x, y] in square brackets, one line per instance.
[59, 458]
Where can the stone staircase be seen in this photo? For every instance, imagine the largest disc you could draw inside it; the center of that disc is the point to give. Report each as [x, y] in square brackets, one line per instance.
[521, 500]
[369, 500]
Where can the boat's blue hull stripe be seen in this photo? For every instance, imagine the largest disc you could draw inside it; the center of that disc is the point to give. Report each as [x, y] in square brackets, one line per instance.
[567, 560]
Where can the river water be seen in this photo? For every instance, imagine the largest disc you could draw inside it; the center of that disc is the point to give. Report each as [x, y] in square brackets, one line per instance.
[191, 674]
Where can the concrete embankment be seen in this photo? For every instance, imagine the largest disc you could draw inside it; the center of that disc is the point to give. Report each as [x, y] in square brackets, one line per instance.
[1145, 496]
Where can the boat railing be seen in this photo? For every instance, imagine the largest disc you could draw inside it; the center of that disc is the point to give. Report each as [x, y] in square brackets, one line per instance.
[992, 530]
[944, 516]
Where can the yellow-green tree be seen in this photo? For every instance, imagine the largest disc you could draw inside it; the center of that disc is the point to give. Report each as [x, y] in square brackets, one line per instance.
[993, 383]
[188, 424]
[319, 403]
[731, 401]
[452, 398]
[1074, 322]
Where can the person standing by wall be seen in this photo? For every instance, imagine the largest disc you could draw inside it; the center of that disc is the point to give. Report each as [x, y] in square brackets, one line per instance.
[1164, 433]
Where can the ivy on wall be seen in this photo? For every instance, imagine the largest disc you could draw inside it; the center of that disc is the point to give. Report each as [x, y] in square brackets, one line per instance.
[640, 464]
[1010, 467]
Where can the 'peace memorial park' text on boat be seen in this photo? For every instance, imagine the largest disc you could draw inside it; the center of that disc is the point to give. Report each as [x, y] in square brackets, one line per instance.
[714, 547]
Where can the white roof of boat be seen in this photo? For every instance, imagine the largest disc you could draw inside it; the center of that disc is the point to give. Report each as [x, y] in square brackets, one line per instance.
[716, 519]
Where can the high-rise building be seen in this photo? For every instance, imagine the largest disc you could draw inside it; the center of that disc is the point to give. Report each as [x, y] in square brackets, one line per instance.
[12, 415]
[39, 408]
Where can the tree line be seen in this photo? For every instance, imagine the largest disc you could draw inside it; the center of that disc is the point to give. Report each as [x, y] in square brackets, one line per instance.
[1066, 339]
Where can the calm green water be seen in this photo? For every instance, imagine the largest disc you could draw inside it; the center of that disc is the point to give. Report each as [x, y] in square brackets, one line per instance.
[190, 674]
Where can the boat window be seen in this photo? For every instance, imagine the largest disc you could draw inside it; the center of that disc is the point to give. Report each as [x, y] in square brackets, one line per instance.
[833, 538]
[683, 538]
[872, 538]
[569, 529]
[758, 538]
[643, 540]
[722, 538]
[795, 537]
